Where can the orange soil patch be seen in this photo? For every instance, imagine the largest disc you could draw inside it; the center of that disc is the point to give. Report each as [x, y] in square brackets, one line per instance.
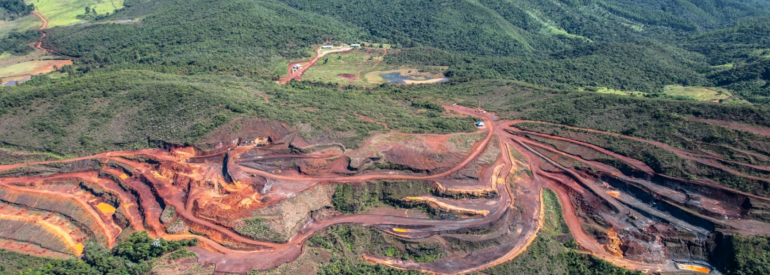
[615, 194]
[48, 66]
[38, 67]
[695, 268]
[106, 208]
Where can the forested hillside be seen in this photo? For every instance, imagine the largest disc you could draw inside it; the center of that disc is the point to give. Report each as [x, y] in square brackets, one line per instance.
[241, 37]
[626, 45]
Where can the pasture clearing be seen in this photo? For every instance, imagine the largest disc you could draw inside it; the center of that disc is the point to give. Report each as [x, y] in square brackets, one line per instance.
[18, 71]
[605, 90]
[377, 45]
[699, 93]
[344, 67]
[63, 13]
[705, 94]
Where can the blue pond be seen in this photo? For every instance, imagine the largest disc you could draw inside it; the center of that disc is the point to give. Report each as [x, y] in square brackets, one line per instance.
[397, 78]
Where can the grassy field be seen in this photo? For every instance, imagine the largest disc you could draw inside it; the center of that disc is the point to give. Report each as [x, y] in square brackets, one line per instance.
[32, 67]
[63, 13]
[707, 94]
[330, 67]
[377, 45]
[29, 22]
[604, 90]
[16, 72]
[698, 93]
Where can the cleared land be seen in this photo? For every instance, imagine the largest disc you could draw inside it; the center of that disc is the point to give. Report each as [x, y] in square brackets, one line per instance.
[344, 67]
[706, 94]
[699, 93]
[63, 13]
[18, 71]
[361, 67]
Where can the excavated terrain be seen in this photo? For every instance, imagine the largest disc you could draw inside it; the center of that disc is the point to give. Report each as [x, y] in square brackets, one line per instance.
[256, 198]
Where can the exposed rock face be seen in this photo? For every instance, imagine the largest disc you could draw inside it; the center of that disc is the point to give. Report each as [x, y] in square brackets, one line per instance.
[287, 217]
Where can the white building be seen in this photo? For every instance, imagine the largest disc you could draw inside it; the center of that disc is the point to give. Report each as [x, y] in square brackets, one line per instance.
[355, 45]
[326, 47]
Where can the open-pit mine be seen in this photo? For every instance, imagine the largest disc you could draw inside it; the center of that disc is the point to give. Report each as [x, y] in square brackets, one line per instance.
[254, 202]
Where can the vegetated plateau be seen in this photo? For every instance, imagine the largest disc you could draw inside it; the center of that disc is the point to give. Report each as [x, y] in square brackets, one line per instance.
[569, 137]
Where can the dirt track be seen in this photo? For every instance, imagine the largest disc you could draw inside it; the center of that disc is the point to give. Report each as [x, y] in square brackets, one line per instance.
[201, 185]
[45, 24]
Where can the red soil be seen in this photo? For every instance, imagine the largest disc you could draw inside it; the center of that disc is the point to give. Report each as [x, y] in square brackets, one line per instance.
[212, 190]
[45, 24]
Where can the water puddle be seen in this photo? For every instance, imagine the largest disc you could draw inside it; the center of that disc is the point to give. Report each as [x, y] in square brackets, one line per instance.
[398, 78]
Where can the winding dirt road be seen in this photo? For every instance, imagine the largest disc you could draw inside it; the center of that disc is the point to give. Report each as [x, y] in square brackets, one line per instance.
[45, 24]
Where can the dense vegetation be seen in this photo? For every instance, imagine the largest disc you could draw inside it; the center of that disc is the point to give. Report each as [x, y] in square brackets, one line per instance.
[17, 43]
[349, 198]
[745, 255]
[125, 109]
[12, 263]
[133, 255]
[12, 9]
[627, 45]
[239, 37]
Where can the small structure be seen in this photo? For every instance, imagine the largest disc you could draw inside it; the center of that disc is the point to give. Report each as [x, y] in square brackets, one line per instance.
[355, 45]
[480, 124]
[326, 47]
[295, 68]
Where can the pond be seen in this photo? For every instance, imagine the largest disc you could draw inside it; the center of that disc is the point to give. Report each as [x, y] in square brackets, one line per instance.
[18, 81]
[398, 78]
